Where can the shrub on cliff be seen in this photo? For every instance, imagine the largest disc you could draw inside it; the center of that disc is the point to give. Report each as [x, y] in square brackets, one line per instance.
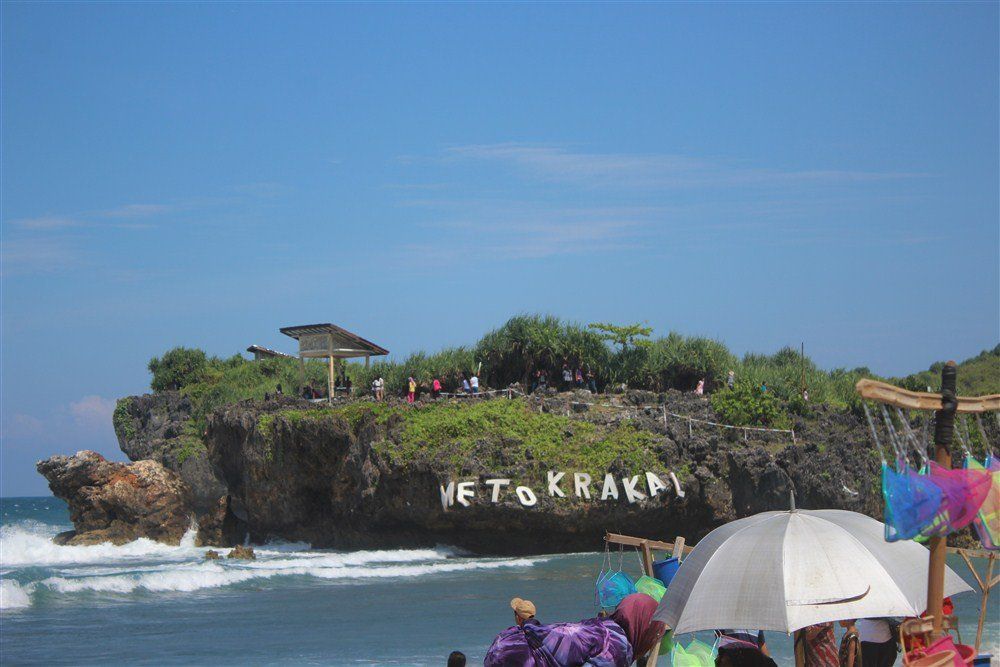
[673, 362]
[177, 367]
[527, 343]
[747, 405]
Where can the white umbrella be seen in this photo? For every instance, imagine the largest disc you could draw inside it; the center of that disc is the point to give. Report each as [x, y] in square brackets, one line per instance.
[787, 570]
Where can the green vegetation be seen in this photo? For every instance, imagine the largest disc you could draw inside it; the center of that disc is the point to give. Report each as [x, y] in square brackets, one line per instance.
[617, 354]
[978, 375]
[177, 368]
[624, 336]
[528, 343]
[498, 434]
[121, 420]
[747, 405]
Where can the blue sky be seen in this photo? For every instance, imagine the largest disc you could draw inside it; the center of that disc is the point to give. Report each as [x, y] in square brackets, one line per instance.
[200, 175]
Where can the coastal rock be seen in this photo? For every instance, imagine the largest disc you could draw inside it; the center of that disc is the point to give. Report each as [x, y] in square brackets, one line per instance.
[160, 427]
[212, 554]
[117, 502]
[241, 552]
[346, 476]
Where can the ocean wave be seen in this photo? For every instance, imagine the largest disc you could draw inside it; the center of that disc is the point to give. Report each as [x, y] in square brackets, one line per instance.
[30, 543]
[206, 575]
[13, 596]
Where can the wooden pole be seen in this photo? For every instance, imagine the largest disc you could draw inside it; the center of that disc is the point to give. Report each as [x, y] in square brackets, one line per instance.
[944, 427]
[988, 584]
[333, 382]
[985, 585]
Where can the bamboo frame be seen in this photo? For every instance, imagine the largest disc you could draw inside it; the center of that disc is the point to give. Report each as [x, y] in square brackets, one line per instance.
[985, 583]
[873, 390]
[677, 549]
[945, 404]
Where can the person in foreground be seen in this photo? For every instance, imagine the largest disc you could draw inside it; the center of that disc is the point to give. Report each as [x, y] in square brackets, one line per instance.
[598, 642]
[456, 659]
[743, 648]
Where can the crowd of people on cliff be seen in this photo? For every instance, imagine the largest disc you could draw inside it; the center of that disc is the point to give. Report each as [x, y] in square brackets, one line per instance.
[570, 377]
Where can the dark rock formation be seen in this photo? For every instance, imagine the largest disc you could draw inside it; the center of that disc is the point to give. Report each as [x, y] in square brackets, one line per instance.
[212, 554]
[289, 469]
[160, 427]
[241, 552]
[118, 502]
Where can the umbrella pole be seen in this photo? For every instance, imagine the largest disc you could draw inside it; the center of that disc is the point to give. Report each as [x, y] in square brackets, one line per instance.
[944, 423]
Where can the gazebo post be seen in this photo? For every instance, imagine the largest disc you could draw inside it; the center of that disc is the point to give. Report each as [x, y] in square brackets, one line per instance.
[333, 382]
[944, 426]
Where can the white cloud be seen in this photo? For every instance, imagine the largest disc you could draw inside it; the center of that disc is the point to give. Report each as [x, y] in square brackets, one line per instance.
[46, 222]
[135, 210]
[36, 255]
[653, 170]
[93, 412]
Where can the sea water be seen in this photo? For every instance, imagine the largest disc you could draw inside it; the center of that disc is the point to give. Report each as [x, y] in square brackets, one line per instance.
[149, 603]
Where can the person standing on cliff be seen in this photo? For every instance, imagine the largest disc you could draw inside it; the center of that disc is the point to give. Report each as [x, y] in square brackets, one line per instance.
[700, 389]
[474, 383]
[411, 395]
[435, 388]
[731, 380]
[591, 380]
[567, 378]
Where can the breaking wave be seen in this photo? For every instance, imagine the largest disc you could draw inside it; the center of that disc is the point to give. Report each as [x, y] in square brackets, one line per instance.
[145, 566]
[12, 596]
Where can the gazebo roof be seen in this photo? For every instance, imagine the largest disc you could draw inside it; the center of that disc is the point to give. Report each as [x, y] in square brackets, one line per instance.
[268, 352]
[341, 337]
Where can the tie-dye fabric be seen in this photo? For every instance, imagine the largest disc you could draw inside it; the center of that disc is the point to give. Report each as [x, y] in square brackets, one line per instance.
[594, 642]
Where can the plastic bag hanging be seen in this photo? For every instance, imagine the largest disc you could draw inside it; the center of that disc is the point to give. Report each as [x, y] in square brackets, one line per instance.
[987, 520]
[964, 492]
[911, 501]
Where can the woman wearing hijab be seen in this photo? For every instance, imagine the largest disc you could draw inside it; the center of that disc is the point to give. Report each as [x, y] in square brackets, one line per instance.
[635, 616]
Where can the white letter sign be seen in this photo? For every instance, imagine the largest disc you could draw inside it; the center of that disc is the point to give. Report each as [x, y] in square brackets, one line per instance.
[496, 484]
[554, 489]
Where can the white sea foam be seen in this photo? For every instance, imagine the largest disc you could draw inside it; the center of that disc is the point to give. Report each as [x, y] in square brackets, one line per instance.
[148, 566]
[30, 544]
[13, 596]
[190, 577]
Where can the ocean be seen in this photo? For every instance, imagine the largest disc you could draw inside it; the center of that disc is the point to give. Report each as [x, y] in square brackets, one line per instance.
[147, 603]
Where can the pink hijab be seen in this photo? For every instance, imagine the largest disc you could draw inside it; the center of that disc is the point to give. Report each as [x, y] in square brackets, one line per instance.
[635, 616]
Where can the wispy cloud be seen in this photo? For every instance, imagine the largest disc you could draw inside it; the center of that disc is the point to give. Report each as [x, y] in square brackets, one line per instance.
[46, 222]
[92, 412]
[36, 255]
[135, 211]
[558, 164]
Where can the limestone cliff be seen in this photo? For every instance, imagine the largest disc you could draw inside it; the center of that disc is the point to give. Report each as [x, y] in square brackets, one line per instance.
[358, 474]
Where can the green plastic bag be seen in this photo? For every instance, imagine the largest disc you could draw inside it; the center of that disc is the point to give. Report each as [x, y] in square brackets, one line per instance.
[667, 643]
[654, 588]
[697, 654]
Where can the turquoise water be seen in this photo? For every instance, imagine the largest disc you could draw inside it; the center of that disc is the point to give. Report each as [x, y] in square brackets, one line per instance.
[153, 604]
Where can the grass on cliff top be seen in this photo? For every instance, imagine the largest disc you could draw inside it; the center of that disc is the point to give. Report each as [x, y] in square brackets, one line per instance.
[496, 435]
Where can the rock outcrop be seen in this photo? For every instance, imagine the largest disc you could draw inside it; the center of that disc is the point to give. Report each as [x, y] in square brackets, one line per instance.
[118, 502]
[357, 475]
[160, 427]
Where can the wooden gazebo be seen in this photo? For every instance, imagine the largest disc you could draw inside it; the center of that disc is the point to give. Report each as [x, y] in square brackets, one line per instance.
[328, 341]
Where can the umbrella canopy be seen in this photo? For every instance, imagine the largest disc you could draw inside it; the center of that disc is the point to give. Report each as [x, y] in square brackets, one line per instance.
[787, 570]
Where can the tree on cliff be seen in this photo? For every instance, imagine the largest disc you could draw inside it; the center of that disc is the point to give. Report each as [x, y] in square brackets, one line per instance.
[178, 367]
[625, 335]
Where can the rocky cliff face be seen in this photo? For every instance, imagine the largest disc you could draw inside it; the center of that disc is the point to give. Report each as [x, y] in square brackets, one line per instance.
[352, 476]
[330, 477]
[159, 427]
